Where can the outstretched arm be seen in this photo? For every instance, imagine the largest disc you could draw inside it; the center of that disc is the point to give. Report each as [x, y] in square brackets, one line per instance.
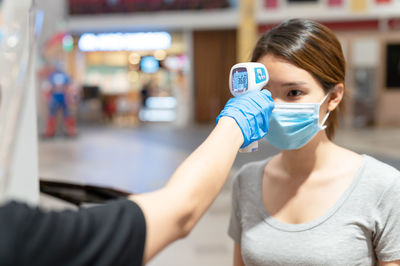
[172, 211]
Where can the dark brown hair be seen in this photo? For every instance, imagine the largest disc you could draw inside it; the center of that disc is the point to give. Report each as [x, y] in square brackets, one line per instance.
[311, 46]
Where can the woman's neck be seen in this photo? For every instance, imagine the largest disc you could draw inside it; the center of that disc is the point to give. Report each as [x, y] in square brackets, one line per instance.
[310, 158]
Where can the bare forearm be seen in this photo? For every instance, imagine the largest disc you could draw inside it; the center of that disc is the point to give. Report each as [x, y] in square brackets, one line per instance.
[200, 178]
[172, 211]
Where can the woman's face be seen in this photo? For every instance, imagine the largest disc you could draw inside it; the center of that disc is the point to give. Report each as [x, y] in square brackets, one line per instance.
[289, 83]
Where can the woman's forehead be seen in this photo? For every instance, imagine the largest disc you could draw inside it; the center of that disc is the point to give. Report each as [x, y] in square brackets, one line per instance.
[280, 66]
[283, 73]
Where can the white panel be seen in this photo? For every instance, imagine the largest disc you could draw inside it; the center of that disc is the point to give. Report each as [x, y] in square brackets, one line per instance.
[23, 183]
[365, 52]
[18, 109]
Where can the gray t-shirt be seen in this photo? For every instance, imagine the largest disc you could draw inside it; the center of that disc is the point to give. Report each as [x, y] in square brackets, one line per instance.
[361, 228]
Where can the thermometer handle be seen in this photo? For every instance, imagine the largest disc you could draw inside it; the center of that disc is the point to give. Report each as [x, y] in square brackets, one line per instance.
[252, 147]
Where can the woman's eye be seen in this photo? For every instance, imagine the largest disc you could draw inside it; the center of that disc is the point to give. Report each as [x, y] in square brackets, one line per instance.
[294, 93]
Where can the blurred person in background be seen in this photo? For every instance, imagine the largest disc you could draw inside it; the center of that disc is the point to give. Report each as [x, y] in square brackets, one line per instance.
[314, 203]
[58, 86]
[146, 91]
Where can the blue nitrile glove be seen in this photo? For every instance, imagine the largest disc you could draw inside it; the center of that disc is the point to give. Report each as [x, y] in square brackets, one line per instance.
[251, 112]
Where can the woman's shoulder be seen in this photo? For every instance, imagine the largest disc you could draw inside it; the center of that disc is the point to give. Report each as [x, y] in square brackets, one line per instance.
[379, 169]
[378, 175]
[369, 164]
[383, 180]
[369, 168]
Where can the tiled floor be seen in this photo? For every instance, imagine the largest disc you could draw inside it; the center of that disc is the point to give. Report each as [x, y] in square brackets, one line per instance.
[142, 159]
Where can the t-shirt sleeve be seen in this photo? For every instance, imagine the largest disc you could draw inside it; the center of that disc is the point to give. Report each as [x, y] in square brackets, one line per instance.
[109, 234]
[387, 234]
[235, 229]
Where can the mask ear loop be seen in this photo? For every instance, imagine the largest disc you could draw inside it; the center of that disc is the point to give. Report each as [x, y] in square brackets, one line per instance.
[322, 126]
[324, 99]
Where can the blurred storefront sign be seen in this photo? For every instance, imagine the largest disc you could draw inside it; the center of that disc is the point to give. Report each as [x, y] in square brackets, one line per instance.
[271, 4]
[335, 3]
[90, 42]
[80, 7]
[358, 5]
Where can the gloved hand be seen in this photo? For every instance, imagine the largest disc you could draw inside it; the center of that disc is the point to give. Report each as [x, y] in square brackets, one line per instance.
[251, 112]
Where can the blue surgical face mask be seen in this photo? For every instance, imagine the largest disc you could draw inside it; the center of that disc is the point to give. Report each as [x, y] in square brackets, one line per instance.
[293, 125]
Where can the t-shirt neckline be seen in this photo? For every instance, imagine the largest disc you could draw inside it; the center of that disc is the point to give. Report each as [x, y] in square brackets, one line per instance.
[269, 219]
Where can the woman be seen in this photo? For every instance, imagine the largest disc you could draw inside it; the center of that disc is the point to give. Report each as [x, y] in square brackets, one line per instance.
[314, 203]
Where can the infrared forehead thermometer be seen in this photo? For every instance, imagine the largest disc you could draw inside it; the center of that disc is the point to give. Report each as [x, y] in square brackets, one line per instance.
[245, 77]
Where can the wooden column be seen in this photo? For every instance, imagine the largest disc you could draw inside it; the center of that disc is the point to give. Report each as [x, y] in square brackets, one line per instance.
[214, 53]
[247, 30]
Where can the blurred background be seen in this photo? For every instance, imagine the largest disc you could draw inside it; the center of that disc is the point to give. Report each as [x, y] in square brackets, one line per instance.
[126, 89]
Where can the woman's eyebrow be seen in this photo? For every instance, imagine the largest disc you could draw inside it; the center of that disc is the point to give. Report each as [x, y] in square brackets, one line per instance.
[296, 83]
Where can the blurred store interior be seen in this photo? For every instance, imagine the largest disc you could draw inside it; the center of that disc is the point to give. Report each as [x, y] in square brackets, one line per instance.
[144, 81]
[178, 53]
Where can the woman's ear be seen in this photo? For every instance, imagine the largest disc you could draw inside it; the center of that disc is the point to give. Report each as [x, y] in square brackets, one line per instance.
[335, 97]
